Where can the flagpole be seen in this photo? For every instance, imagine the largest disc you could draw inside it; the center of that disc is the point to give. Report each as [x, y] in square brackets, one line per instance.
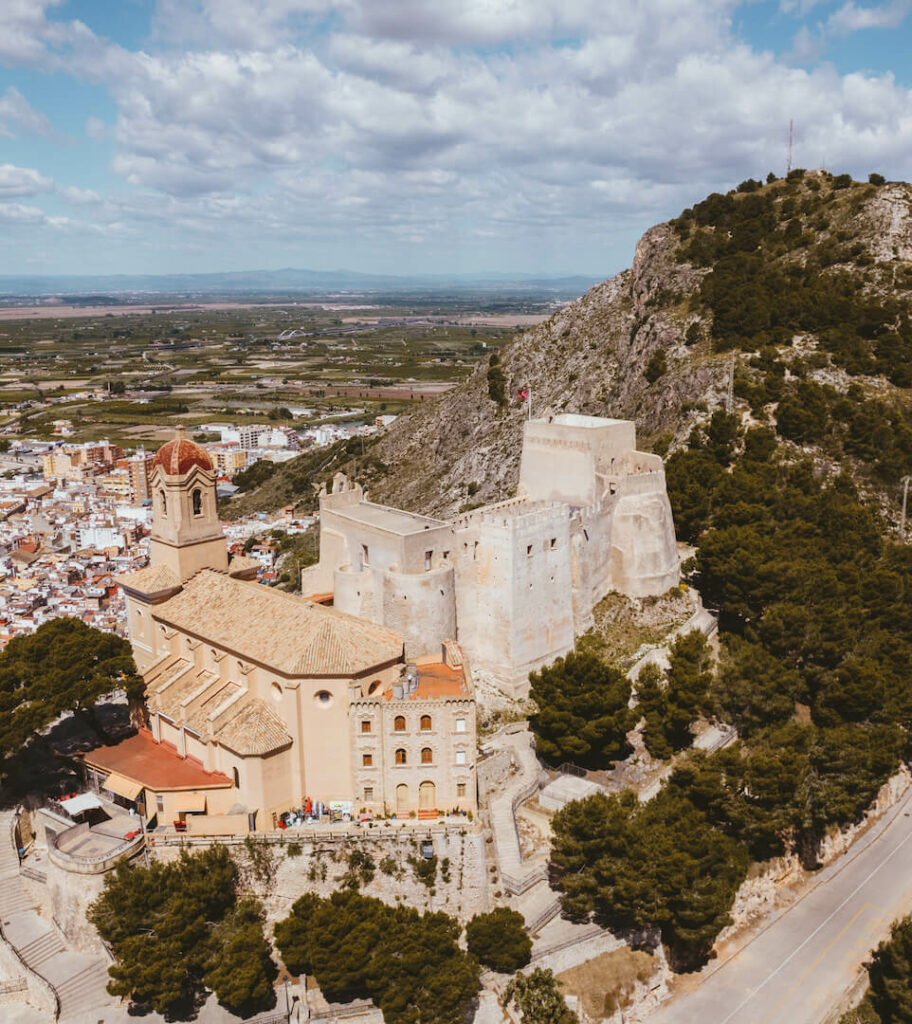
[529, 403]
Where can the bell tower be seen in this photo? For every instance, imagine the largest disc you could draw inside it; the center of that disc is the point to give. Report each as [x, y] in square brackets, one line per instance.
[186, 533]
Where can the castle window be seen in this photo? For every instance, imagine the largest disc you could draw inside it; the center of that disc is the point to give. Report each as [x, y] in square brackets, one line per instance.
[276, 690]
[460, 789]
[237, 778]
[365, 726]
[399, 723]
[400, 756]
[367, 760]
[446, 556]
[553, 543]
[460, 725]
[323, 698]
[163, 500]
[197, 498]
[425, 723]
[368, 794]
[365, 556]
[460, 757]
[159, 803]
[428, 556]
[529, 550]
[427, 755]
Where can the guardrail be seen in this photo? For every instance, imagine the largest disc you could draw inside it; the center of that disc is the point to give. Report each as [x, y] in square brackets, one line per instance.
[92, 865]
[292, 837]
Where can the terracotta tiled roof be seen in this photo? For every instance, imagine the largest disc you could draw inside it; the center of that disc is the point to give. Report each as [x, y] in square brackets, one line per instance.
[255, 730]
[295, 636]
[155, 765]
[151, 580]
[179, 455]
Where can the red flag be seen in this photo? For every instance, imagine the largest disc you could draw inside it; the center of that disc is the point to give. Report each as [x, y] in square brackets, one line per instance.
[523, 393]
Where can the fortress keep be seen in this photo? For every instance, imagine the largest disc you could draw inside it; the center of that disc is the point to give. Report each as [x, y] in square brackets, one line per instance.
[514, 582]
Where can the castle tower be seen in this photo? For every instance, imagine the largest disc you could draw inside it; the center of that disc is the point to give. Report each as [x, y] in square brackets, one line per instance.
[186, 533]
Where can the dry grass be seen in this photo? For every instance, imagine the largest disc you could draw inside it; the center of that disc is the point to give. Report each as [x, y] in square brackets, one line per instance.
[607, 982]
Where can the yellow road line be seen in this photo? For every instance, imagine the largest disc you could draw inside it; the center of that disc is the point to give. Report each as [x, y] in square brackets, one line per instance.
[801, 980]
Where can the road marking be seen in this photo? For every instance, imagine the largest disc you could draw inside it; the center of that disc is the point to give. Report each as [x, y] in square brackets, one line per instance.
[822, 924]
[801, 980]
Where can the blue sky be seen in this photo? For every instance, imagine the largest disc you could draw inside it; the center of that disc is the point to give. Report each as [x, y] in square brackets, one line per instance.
[541, 136]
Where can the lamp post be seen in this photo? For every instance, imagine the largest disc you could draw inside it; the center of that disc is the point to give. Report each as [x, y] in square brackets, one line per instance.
[902, 523]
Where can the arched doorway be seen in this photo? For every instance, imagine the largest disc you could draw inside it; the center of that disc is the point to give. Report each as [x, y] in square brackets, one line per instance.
[427, 796]
[402, 799]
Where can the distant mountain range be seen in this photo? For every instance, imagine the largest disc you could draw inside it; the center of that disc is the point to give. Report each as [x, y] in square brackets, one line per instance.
[290, 280]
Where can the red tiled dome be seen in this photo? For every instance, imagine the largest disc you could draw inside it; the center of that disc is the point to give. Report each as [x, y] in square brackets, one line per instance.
[180, 455]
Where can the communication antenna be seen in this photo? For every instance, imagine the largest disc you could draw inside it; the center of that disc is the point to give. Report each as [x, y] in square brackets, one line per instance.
[791, 141]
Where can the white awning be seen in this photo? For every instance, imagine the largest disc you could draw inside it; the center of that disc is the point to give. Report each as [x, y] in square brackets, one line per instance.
[194, 803]
[79, 804]
[122, 786]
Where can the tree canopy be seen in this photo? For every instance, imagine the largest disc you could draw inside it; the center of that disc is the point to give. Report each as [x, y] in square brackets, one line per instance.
[499, 940]
[408, 963]
[538, 998]
[65, 665]
[176, 928]
[582, 714]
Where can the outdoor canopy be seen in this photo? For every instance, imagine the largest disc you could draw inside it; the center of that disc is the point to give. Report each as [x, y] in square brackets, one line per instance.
[122, 786]
[80, 803]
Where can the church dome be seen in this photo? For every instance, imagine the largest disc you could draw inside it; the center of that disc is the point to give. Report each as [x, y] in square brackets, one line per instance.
[178, 456]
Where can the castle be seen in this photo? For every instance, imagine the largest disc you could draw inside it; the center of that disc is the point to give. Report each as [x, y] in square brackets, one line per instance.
[258, 701]
[515, 582]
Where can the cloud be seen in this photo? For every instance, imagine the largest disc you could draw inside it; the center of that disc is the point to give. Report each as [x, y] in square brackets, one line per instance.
[22, 181]
[18, 117]
[852, 18]
[335, 131]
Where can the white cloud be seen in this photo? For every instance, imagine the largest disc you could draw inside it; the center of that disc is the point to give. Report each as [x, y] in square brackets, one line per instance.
[17, 116]
[79, 196]
[852, 18]
[22, 181]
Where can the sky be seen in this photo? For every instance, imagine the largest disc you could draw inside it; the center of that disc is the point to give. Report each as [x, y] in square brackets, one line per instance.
[419, 136]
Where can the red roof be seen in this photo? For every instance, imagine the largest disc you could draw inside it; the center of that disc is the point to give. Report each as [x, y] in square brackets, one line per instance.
[156, 765]
[180, 455]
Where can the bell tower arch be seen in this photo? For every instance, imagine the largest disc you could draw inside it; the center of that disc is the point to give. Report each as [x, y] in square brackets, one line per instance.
[186, 533]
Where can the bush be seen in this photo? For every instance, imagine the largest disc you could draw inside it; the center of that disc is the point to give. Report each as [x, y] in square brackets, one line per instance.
[877, 179]
[656, 367]
[499, 940]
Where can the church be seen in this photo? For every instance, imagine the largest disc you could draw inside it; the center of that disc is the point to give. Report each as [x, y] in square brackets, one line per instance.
[258, 701]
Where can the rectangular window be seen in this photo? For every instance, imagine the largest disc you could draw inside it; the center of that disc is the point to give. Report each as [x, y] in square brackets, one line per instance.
[428, 555]
[460, 757]
[365, 726]
[160, 803]
[367, 760]
[529, 550]
[365, 556]
[460, 725]
[460, 789]
[368, 794]
[553, 543]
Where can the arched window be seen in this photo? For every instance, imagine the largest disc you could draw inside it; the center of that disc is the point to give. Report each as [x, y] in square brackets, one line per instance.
[427, 755]
[400, 756]
[197, 498]
[399, 723]
[425, 723]
[164, 501]
[237, 778]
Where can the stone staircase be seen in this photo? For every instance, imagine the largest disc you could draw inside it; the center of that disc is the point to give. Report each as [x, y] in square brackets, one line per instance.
[77, 979]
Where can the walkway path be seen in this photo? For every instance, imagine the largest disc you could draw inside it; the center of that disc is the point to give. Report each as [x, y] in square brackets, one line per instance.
[79, 980]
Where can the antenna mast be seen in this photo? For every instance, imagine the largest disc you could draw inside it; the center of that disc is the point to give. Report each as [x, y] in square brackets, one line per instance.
[791, 140]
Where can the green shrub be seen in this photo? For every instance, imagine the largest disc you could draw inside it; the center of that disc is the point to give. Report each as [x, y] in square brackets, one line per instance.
[499, 940]
[656, 367]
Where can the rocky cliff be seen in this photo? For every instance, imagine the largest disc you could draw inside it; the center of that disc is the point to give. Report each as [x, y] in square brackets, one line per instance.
[771, 269]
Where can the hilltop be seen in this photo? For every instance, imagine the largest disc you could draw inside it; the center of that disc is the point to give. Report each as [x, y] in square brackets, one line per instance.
[802, 286]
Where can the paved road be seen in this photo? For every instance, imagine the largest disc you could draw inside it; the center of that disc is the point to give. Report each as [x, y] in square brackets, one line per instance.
[799, 968]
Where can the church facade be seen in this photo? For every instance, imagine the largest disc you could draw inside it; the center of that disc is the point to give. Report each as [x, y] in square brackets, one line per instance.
[276, 700]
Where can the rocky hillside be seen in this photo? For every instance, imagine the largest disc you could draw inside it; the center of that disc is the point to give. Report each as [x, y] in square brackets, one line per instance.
[810, 276]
